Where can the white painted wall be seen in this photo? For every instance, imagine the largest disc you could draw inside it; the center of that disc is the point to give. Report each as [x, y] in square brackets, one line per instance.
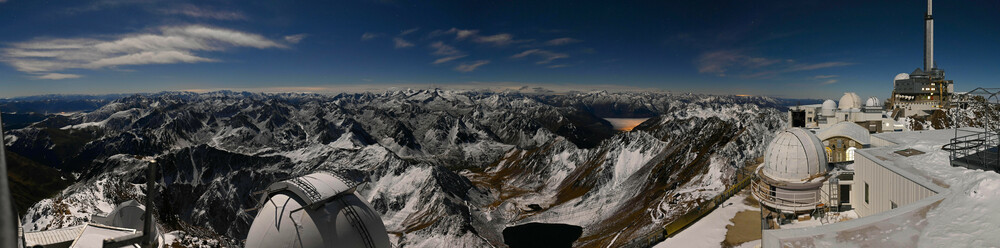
[885, 186]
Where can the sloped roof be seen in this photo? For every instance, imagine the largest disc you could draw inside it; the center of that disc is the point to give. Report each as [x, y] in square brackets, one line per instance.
[846, 129]
[51, 237]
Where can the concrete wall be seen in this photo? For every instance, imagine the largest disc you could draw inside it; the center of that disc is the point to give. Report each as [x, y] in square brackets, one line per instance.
[885, 186]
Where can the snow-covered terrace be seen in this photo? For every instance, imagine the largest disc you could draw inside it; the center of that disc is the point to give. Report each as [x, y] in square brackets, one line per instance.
[961, 213]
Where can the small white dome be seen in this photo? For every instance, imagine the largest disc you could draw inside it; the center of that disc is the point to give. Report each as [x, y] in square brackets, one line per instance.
[850, 101]
[873, 102]
[829, 107]
[794, 155]
[316, 210]
[902, 76]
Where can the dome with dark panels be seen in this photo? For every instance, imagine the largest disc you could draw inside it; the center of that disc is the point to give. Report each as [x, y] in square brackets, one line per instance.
[829, 108]
[873, 102]
[316, 210]
[794, 155]
[850, 100]
[902, 76]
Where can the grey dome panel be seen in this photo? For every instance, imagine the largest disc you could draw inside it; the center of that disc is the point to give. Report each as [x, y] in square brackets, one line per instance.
[316, 210]
[794, 155]
[128, 214]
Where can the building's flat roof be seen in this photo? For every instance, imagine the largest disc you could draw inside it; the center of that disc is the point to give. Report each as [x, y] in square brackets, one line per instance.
[889, 158]
[808, 106]
[941, 137]
[93, 235]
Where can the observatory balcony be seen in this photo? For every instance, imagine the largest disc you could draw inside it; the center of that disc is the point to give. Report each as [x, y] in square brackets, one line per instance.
[785, 199]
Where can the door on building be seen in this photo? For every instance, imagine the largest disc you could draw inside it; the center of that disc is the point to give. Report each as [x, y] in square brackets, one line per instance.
[798, 118]
[845, 195]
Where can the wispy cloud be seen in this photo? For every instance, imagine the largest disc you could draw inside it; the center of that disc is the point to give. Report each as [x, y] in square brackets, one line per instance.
[824, 76]
[408, 31]
[809, 67]
[497, 39]
[547, 56]
[369, 36]
[500, 39]
[441, 49]
[295, 39]
[722, 62]
[831, 81]
[449, 58]
[171, 44]
[401, 43]
[449, 53]
[205, 13]
[561, 41]
[558, 66]
[468, 67]
[57, 76]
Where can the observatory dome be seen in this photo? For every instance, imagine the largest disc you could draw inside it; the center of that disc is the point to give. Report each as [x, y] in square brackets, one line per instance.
[316, 210]
[873, 102]
[829, 107]
[850, 101]
[129, 214]
[902, 76]
[794, 155]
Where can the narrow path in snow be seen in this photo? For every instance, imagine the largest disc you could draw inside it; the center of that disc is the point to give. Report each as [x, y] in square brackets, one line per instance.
[710, 230]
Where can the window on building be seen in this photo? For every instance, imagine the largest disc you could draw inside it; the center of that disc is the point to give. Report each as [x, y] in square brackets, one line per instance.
[845, 193]
[866, 193]
[850, 153]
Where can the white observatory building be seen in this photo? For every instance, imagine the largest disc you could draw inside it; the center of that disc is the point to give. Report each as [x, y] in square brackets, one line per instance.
[870, 115]
[316, 210]
[793, 173]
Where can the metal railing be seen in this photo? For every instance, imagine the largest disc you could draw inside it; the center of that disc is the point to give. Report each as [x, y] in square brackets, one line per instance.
[978, 149]
[785, 199]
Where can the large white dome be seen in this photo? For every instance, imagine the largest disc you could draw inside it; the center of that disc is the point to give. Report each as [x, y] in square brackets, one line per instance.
[850, 101]
[316, 210]
[794, 155]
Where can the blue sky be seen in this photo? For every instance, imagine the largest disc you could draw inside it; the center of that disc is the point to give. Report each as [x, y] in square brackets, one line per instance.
[800, 49]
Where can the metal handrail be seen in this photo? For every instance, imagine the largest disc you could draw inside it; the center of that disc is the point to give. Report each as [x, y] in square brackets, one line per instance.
[763, 194]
